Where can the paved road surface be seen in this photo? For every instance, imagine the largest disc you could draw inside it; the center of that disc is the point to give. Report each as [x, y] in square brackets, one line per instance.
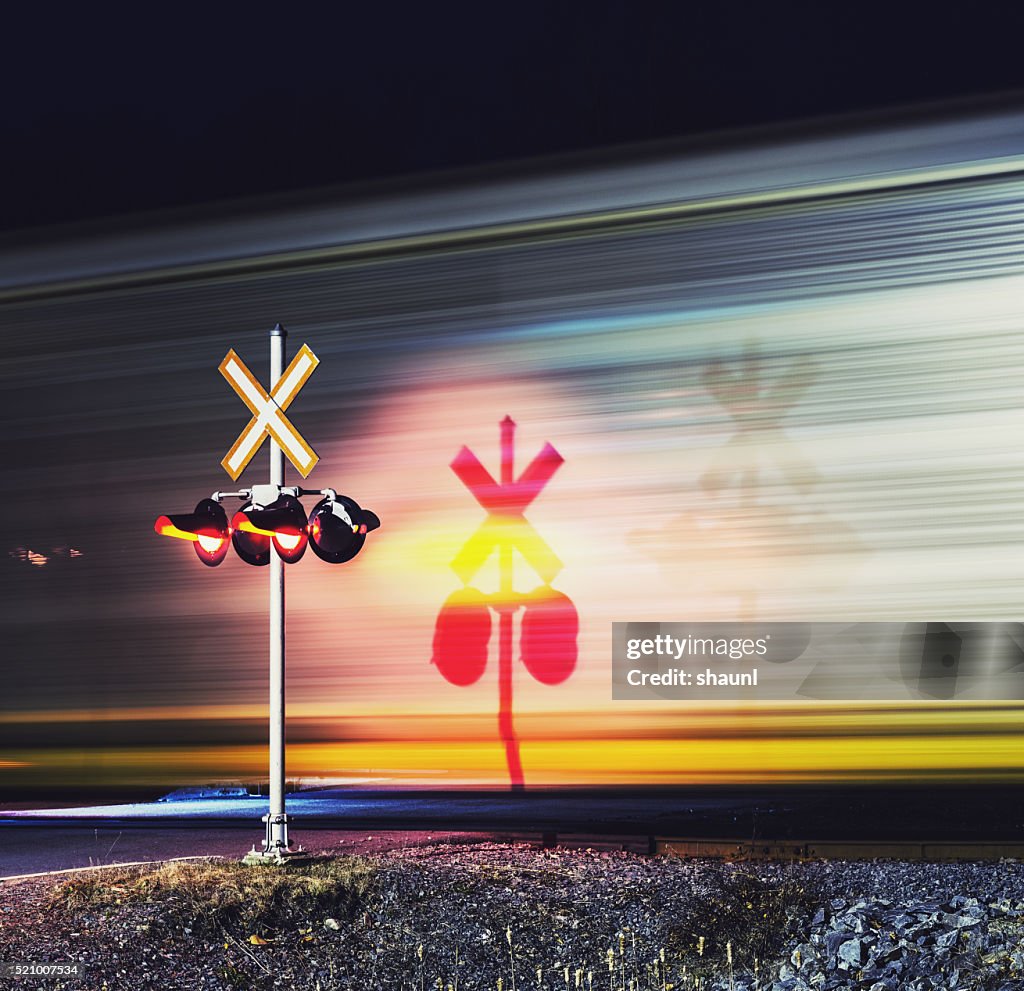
[49, 839]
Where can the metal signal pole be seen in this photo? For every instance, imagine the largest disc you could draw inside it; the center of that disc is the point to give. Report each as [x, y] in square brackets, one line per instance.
[276, 843]
[278, 831]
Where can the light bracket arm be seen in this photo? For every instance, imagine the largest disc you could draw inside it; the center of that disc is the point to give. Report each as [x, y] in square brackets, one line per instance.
[264, 495]
[243, 494]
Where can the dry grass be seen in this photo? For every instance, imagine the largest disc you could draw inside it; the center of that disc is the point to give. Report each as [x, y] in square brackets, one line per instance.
[212, 896]
[468, 919]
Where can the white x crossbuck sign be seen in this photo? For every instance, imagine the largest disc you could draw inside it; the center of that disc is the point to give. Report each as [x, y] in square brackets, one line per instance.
[268, 412]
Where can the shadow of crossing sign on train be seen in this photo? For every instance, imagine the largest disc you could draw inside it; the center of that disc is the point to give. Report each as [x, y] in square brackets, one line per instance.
[549, 624]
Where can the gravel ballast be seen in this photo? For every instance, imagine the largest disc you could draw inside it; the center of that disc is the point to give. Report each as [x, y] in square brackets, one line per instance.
[488, 915]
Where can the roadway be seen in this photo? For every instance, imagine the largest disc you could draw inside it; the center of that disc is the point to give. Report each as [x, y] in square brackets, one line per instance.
[50, 839]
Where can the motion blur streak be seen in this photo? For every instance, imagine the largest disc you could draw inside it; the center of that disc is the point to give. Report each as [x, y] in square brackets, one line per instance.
[784, 379]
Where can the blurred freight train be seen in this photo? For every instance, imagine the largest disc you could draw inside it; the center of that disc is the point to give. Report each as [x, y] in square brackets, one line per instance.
[783, 372]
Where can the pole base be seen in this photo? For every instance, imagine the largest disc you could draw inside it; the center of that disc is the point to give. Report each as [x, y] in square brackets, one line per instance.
[277, 858]
[276, 845]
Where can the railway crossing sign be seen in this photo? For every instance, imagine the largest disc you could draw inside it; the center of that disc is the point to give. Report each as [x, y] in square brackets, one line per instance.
[272, 519]
[268, 412]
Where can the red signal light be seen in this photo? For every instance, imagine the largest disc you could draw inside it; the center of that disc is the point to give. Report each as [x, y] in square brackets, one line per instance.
[282, 523]
[250, 545]
[210, 544]
[206, 527]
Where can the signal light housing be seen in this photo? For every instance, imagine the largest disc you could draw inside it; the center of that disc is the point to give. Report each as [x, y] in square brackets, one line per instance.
[253, 547]
[338, 527]
[207, 528]
[282, 523]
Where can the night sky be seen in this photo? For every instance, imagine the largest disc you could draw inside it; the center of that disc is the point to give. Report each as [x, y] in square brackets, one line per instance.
[109, 115]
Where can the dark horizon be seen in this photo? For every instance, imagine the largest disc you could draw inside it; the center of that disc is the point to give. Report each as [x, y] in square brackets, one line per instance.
[113, 119]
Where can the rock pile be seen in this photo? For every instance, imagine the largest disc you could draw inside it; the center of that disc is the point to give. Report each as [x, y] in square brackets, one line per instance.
[885, 945]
